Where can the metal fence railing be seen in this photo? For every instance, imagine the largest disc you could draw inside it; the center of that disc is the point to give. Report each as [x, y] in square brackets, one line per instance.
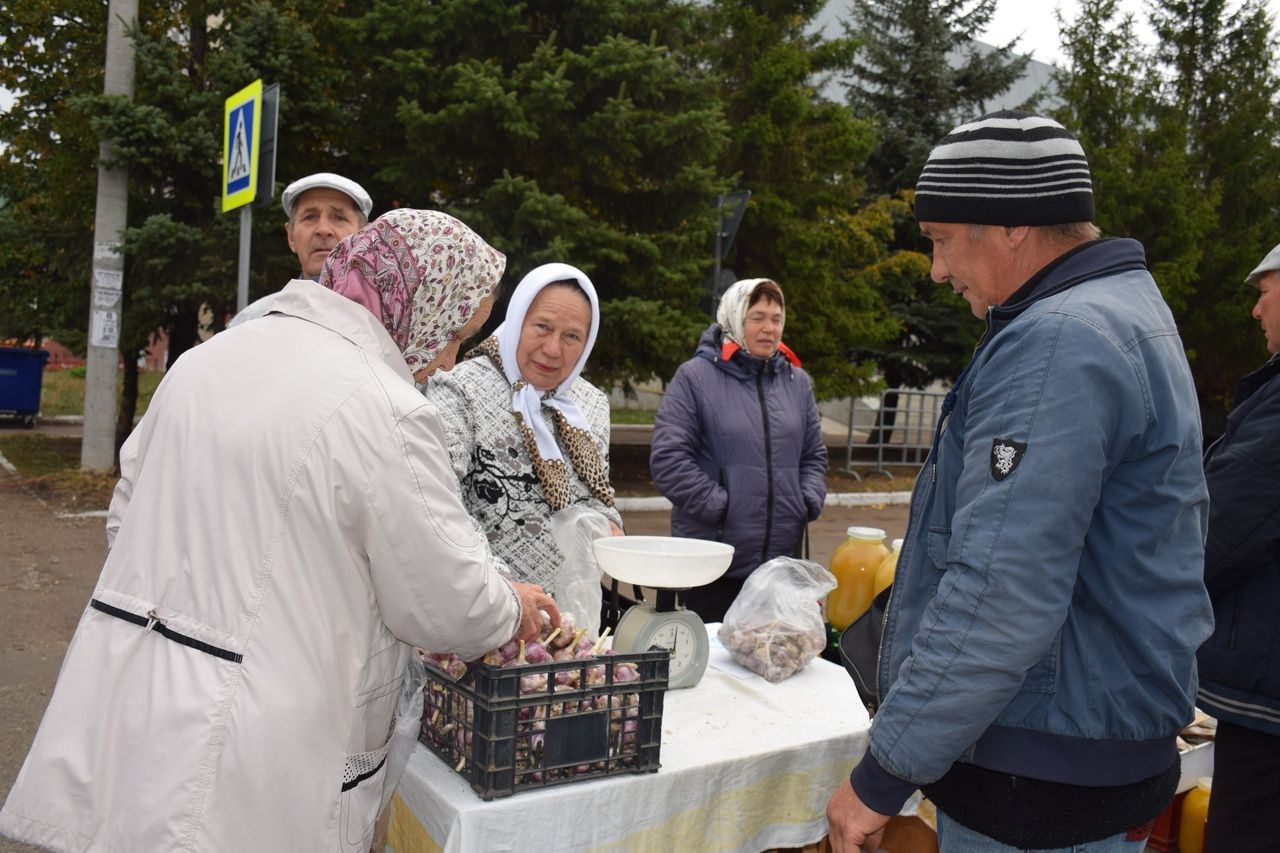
[897, 432]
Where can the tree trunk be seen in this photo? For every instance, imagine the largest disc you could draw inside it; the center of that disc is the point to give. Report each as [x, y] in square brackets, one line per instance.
[887, 416]
[128, 403]
[182, 334]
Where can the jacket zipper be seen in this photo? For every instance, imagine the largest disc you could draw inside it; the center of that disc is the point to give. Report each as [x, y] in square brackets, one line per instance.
[152, 622]
[768, 467]
[948, 403]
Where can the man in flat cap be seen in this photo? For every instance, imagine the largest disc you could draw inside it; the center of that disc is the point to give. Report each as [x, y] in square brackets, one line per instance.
[1240, 664]
[1038, 654]
[322, 209]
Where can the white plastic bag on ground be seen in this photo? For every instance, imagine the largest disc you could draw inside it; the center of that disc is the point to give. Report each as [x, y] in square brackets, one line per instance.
[774, 627]
[577, 584]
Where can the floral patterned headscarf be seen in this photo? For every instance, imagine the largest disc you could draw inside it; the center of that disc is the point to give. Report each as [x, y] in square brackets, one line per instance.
[421, 272]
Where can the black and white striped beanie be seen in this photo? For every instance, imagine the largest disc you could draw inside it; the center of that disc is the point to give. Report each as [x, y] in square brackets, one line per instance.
[1006, 168]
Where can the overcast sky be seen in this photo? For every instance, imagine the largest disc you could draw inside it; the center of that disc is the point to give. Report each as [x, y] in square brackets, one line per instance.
[1034, 20]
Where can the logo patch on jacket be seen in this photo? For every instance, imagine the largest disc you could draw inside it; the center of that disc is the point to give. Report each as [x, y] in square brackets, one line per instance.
[1005, 456]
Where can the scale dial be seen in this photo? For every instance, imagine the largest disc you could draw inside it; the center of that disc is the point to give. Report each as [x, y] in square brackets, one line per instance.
[679, 631]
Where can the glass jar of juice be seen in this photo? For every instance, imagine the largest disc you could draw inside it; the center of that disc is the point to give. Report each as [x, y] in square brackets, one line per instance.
[1195, 813]
[884, 571]
[854, 564]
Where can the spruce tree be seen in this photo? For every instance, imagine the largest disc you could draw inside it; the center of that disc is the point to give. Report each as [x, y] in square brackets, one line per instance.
[918, 73]
[809, 225]
[576, 132]
[1221, 64]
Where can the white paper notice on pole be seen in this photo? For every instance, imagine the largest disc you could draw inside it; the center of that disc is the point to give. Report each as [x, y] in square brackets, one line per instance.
[105, 250]
[108, 279]
[105, 329]
[106, 287]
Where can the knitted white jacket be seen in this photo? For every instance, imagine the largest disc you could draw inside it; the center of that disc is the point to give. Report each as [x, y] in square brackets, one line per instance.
[495, 472]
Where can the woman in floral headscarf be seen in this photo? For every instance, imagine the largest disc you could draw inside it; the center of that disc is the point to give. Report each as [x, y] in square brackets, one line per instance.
[737, 442]
[528, 435]
[285, 529]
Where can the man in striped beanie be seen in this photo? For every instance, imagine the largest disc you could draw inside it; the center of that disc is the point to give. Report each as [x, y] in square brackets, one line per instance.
[1038, 654]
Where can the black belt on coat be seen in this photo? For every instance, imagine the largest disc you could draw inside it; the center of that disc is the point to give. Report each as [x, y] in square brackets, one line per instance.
[153, 623]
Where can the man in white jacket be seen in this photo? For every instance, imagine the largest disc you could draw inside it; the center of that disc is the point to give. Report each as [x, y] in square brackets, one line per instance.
[285, 529]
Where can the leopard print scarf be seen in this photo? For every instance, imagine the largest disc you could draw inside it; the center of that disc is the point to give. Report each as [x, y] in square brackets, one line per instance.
[553, 474]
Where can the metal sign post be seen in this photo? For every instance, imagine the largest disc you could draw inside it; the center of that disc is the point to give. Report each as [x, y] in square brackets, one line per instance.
[266, 183]
[729, 211]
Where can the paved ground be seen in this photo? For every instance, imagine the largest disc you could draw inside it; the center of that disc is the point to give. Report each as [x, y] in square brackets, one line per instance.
[49, 565]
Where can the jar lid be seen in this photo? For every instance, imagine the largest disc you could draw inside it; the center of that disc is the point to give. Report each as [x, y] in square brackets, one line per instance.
[864, 533]
[897, 544]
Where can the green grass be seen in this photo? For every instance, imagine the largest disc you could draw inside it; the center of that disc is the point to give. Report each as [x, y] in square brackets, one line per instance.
[50, 466]
[632, 416]
[62, 391]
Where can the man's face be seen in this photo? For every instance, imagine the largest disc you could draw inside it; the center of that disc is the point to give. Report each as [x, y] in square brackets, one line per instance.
[973, 260]
[1267, 309]
[321, 219]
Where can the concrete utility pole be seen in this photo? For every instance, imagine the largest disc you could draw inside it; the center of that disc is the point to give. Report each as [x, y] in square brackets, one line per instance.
[97, 449]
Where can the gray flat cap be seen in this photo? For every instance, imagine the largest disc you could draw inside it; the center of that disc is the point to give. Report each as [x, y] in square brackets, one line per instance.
[326, 180]
[1270, 263]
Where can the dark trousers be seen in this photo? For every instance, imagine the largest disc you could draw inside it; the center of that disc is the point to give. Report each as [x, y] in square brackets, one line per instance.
[1244, 808]
[711, 602]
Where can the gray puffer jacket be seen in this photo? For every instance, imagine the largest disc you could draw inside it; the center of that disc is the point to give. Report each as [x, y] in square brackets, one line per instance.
[737, 449]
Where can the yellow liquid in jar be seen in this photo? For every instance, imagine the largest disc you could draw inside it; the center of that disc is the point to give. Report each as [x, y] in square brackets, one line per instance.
[1195, 813]
[854, 565]
[884, 573]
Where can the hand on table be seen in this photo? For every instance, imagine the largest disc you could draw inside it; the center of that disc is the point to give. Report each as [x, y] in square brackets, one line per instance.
[852, 826]
[534, 599]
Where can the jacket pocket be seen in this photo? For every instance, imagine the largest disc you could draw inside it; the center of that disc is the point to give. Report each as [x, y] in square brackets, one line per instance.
[724, 513]
[1043, 677]
[364, 778]
[936, 546]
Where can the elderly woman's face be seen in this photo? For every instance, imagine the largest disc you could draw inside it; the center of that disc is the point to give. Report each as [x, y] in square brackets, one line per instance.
[763, 327]
[449, 355]
[553, 336]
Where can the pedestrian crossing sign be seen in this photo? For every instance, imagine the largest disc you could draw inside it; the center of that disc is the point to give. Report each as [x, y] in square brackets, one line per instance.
[243, 114]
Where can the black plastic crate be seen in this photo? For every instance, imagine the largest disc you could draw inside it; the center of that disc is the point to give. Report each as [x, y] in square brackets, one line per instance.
[504, 741]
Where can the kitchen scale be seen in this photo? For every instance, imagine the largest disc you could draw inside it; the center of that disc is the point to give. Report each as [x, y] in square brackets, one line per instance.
[667, 564]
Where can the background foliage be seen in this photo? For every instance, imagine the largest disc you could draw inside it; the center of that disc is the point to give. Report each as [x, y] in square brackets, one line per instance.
[600, 132]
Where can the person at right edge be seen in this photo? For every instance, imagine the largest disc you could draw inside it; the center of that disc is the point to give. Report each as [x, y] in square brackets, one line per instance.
[1240, 664]
[1038, 654]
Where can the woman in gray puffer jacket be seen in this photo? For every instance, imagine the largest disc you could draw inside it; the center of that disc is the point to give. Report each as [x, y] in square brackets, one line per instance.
[737, 442]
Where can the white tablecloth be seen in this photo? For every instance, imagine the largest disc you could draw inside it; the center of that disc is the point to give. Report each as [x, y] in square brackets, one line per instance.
[746, 766]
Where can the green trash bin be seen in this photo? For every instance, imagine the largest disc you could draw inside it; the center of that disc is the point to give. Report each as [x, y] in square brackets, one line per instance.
[21, 375]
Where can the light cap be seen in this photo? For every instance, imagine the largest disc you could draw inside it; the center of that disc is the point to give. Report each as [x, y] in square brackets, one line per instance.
[326, 180]
[1270, 263]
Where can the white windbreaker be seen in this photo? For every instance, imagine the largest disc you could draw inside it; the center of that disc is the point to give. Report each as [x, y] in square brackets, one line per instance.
[285, 525]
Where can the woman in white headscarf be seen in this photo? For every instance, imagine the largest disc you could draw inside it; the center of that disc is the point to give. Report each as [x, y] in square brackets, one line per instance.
[737, 442]
[528, 436]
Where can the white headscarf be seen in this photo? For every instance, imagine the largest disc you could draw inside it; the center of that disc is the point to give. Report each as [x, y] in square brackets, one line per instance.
[525, 399]
[732, 313]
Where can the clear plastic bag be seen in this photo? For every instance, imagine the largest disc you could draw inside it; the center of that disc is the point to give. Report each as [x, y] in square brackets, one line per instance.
[408, 724]
[774, 627]
[577, 583]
